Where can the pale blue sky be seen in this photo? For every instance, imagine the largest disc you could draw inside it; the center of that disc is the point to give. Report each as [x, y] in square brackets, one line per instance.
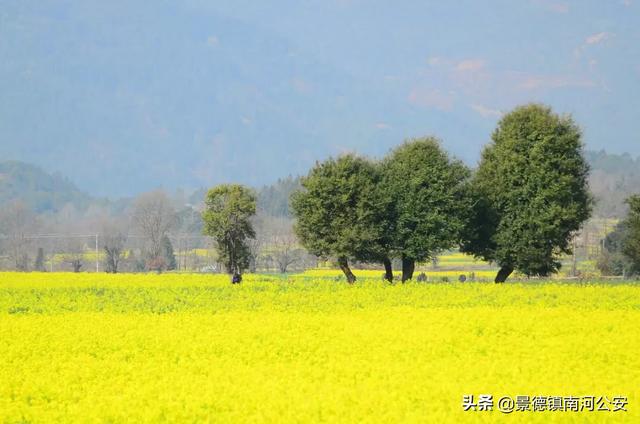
[582, 57]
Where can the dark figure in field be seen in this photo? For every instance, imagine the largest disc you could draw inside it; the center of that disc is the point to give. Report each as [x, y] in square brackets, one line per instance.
[236, 279]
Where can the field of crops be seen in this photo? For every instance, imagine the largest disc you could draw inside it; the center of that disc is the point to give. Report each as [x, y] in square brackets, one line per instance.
[192, 348]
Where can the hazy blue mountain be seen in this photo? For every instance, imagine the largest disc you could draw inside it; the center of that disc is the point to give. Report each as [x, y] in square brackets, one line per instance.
[126, 96]
[167, 96]
[613, 178]
[40, 191]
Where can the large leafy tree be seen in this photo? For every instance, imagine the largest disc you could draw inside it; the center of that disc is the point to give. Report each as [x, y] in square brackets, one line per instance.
[227, 218]
[429, 202]
[530, 191]
[383, 217]
[336, 211]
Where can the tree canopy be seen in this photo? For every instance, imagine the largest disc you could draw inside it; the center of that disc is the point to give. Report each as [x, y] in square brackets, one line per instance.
[530, 193]
[227, 218]
[428, 207]
[336, 211]
[631, 241]
[621, 253]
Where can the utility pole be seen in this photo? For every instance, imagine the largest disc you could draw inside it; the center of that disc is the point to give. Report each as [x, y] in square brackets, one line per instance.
[574, 262]
[97, 258]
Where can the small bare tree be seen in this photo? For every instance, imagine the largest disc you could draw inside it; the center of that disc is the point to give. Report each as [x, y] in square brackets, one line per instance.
[153, 216]
[74, 251]
[17, 222]
[286, 251]
[114, 237]
[279, 244]
[255, 248]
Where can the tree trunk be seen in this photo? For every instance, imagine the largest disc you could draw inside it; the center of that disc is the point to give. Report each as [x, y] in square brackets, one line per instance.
[344, 266]
[388, 270]
[504, 273]
[408, 266]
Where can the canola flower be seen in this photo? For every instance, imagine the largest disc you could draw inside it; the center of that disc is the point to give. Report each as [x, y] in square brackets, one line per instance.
[194, 348]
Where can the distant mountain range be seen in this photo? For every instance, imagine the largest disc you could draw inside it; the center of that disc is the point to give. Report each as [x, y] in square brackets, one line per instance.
[39, 190]
[182, 98]
[125, 96]
[613, 179]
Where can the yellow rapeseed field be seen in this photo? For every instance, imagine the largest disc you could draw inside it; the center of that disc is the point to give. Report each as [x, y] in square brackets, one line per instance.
[194, 348]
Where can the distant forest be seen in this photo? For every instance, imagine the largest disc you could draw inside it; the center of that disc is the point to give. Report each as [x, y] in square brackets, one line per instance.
[613, 179]
[39, 190]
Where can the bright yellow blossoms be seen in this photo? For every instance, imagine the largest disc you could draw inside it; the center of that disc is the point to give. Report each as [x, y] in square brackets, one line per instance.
[189, 348]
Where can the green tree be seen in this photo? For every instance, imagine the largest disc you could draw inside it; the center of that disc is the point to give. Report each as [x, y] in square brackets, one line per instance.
[428, 201]
[631, 240]
[383, 221]
[336, 211]
[227, 218]
[168, 254]
[612, 263]
[39, 263]
[530, 193]
[611, 260]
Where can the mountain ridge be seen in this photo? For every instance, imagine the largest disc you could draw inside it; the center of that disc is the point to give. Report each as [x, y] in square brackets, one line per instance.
[613, 178]
[123, 97]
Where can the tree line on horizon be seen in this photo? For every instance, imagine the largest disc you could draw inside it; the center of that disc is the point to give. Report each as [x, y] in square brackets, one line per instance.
[519, 209]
